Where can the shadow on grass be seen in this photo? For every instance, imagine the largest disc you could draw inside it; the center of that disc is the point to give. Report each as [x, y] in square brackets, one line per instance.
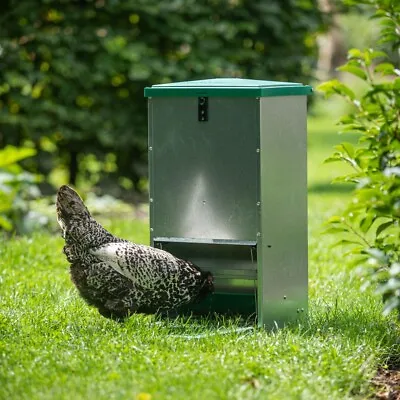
[196, 326]
[356, 324]
[326, 187]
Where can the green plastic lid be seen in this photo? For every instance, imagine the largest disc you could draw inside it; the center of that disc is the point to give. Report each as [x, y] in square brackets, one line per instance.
[228, 87]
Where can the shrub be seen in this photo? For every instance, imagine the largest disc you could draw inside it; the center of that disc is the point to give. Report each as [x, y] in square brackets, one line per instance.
[370, 223]
[73, 72]
[17, 187]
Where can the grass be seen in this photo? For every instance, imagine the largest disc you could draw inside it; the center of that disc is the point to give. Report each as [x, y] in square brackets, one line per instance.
[52, 346]
[322, 137]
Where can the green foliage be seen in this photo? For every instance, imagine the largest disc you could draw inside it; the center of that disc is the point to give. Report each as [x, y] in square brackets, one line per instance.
[16, 188]
[371, 222]
[73, 72]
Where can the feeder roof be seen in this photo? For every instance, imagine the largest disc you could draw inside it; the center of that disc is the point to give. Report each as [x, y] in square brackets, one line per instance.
[228, 87]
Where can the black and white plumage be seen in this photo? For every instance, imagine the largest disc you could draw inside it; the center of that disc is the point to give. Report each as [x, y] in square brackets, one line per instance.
[119, 277]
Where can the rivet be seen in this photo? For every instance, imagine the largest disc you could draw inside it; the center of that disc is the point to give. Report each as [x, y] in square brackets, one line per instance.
[258, 150]
[302, 310]
[151, 199]
[284, 297]
[298, 310]
[258, 234]
[150, 148]
[151, 229]
[258, 203]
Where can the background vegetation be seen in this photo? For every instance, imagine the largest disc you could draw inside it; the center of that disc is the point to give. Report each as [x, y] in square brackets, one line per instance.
[73, 72]
[370, 223]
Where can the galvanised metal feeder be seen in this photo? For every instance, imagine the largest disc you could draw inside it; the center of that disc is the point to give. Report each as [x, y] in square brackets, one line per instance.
[228, 189]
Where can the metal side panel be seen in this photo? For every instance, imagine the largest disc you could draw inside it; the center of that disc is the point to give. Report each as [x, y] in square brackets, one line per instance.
[151, 163]
[203, 174]
[283, 254]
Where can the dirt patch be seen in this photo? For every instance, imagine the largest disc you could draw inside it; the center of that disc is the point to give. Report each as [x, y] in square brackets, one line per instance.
[387, 384]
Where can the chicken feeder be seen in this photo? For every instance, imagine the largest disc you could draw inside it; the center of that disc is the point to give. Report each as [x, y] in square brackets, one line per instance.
[228, 190]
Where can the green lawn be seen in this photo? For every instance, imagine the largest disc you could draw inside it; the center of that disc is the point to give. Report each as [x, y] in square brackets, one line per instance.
[52, 346]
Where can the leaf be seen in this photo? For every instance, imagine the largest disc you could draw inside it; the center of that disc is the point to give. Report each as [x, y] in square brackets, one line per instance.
[395, 269]
[351, 161]
[332, 159]
[327, 86]
[5, 223]
[344, 90]
[355, 53]
[348, 241]
[383, 226]
[333, 230]
[10, 155]
[363, 183]
[392, 284]
[366, 222]
[348, 148]
[377, 54]
[391, 304]
[335, 220]
[392, 171]
[354, 128]
[357, 251]
[346, 119]
[344, 179]
[354, 70]
[385, 68]
[366, 194]
[336, 87]
[6, 201]
[378, 255]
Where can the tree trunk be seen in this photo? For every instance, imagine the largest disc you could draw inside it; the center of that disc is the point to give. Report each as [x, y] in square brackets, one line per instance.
[73, 167]
[331, 44]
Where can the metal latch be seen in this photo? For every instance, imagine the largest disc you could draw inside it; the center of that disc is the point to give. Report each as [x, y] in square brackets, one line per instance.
[202, 109]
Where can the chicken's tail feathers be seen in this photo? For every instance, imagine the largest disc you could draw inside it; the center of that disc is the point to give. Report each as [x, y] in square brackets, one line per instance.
[69, 205]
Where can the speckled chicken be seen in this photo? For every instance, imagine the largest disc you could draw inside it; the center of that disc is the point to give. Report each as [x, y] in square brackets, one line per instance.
[119, 277]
